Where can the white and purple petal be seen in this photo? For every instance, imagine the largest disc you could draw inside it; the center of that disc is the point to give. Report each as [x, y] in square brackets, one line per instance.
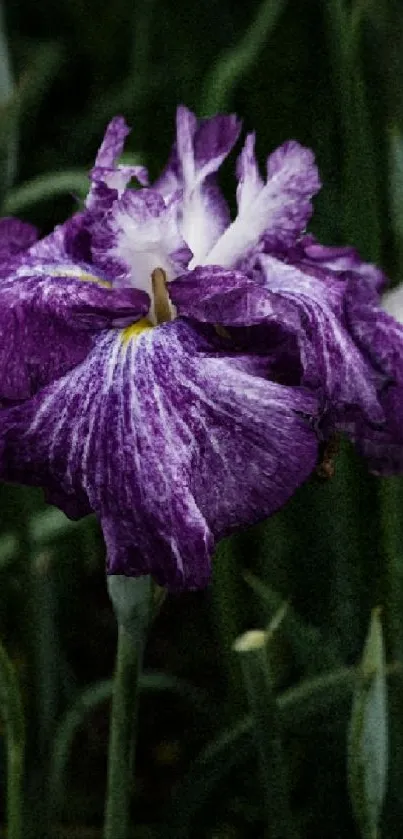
[340, 259]
[172, 444]
[48, 324]
[332, 362]
[140, 233]
[275, 212]
[201, 147]
[108, 179]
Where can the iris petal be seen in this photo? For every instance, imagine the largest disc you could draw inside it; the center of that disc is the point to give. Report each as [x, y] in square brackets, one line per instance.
[171, 443]
[278, 210]
[48, 324]
[109, 180]
[201, 147]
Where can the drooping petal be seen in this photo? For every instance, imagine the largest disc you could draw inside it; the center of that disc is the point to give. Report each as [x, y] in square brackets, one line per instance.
[340, 259]
[201, 147]
[331, 360]
[382, 446]
[211, 294]
[278, 211]
[48, 325]
[171, 443]
[379, 338]
[139, 234]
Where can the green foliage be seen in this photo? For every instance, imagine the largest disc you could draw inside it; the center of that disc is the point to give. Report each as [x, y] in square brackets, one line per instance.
[330, 74]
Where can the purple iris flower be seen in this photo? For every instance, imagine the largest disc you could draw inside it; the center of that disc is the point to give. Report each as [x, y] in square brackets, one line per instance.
[173, 370]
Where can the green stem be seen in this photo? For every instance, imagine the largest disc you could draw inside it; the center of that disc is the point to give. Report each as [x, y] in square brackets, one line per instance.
[15, 769]
[122, 736]
[252, 648]
[13, 714]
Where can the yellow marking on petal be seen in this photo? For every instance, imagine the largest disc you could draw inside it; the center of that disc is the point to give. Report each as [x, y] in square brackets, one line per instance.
[77, 274]
[135, 329]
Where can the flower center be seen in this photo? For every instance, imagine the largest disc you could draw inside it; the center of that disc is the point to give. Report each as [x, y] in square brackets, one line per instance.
[161, 309]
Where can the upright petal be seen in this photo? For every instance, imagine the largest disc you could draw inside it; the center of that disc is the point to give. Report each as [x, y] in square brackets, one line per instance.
[172, 444]
[48, 325]
[108, 179]
[201, 147]
[278, 211]
[250, 183]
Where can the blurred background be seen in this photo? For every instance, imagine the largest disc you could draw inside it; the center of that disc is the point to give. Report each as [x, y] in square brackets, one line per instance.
[327, 73]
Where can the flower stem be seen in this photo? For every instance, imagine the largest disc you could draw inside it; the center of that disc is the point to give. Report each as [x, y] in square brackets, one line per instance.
[252, 648]
[132, 602]
[122, 736]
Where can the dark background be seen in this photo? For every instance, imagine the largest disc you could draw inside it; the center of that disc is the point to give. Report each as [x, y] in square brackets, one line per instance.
[329, 74]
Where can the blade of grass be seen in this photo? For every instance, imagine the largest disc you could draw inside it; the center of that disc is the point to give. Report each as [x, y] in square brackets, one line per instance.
[235, 62]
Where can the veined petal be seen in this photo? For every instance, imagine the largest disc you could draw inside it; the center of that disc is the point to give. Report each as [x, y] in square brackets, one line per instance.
[379, 338]
[211, 294]
[169, 442]
[139, 234]
[109, 180]
[250, 183]
[331, 360]
[341, 259]
[113, 143]
[15, 236]
[279, 211]
[201, 147]
[48, 325]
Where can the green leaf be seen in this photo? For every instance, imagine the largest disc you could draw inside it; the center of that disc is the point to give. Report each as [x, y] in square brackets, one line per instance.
[8, 114]
[311, 649]
[90, 699]
[11, 710]
[72, 181]
[396, 191]
[368, 734]
[236, 62]
[234, 746]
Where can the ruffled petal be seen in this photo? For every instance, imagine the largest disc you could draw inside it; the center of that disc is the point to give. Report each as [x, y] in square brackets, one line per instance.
[172, 444]
[48, 325]
[201, 147]
[109, 180]
[224, 297]
[139, 234]
[379, 338]
[340, 259]
[278, 211]
[332, 362]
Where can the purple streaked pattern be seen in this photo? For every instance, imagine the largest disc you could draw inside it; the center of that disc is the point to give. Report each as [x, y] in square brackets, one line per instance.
[48, 325]
[169, 442]
[176, 435]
